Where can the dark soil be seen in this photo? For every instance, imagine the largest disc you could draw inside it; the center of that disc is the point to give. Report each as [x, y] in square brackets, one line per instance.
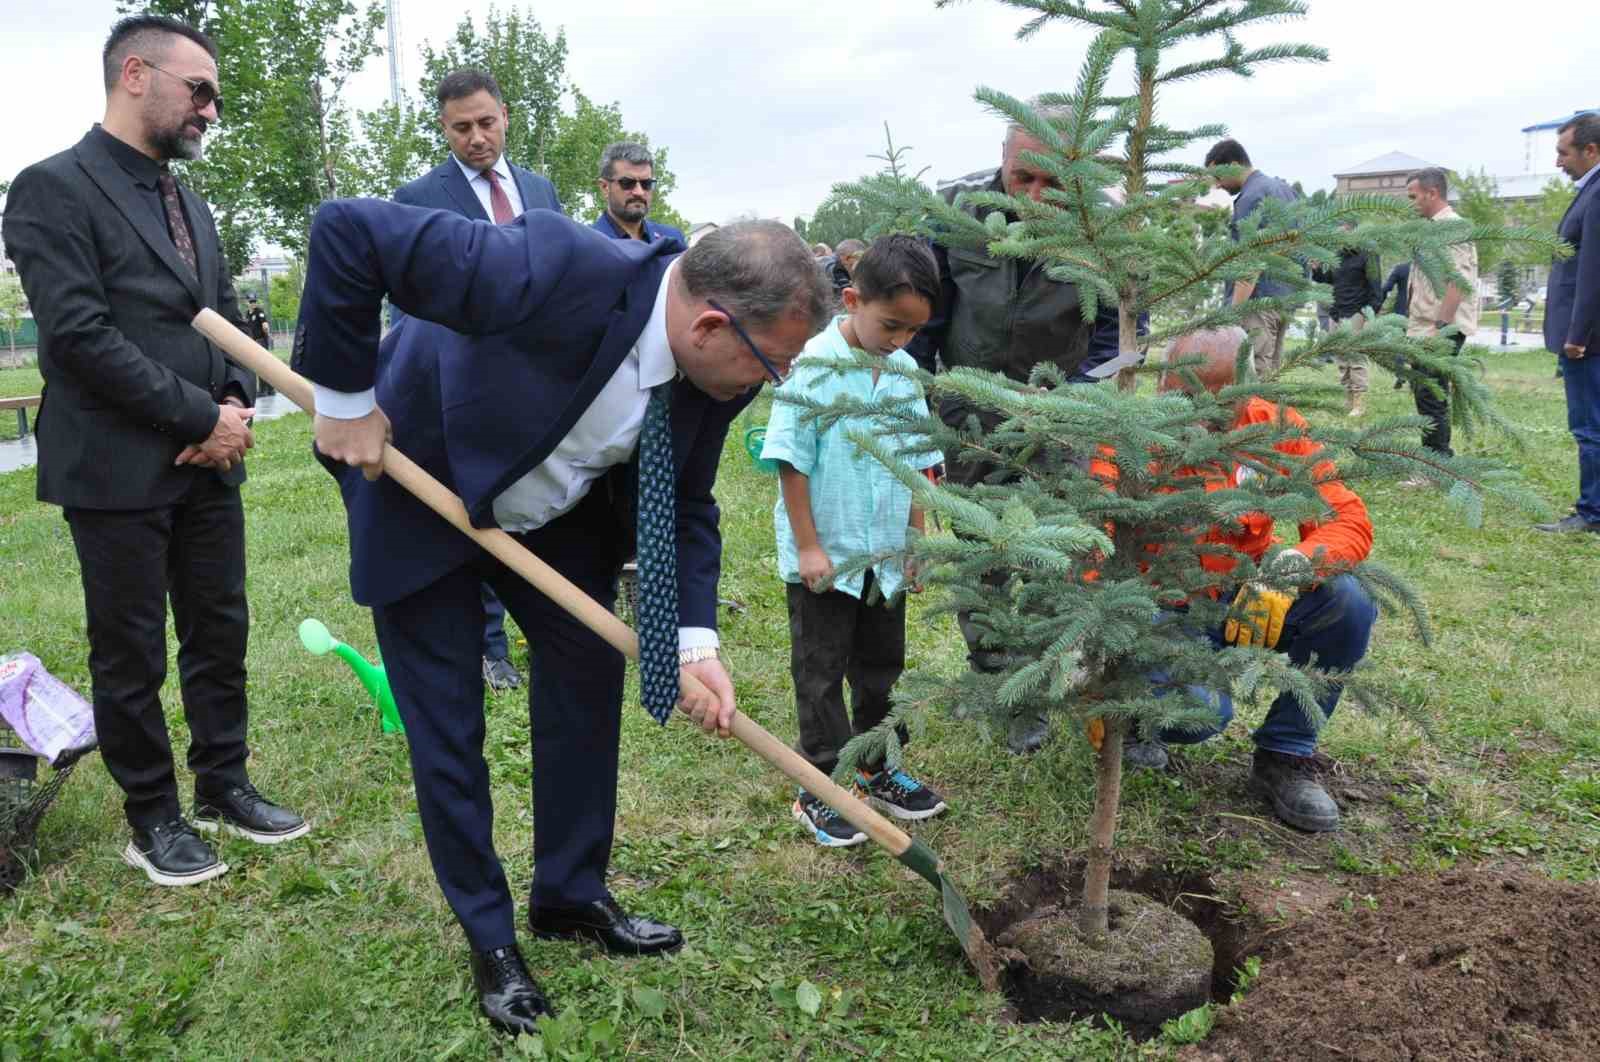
[1150, 965]
[1474, 964]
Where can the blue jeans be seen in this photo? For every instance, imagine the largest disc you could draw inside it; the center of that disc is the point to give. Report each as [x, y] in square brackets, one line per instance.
[1582, 379]
[1334, 624]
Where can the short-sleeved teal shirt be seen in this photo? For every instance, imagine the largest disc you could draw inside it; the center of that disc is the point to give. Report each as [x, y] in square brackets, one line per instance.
[858, 507]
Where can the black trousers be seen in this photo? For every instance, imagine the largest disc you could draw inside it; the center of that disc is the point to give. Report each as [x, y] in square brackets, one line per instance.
[1436, 407]
[432, 644]
[834, 637]
[133, 562]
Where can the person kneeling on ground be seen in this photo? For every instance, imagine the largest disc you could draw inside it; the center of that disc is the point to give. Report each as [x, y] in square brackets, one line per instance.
[1329, 619]
[837, 502]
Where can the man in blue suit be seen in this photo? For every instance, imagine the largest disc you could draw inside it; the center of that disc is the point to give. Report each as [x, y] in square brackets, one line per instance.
[628, 183]
[529, 357]
[478, 181]
[1572, 314]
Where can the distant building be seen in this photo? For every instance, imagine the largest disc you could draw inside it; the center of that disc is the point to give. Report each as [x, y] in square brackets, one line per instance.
[1539, 141]
[1384, 175]
[697, 231]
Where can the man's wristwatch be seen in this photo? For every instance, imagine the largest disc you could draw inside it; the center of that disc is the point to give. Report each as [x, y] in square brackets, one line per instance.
[696, 654]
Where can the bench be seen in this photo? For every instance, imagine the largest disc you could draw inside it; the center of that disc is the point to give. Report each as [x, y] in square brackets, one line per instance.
[21, 405]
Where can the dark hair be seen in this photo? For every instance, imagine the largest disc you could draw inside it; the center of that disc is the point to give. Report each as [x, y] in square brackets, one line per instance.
[624, 151]
[1585, 129]
[1227, 152]
[894, 264]
[466, 81]
[760, 271]
[146, 33]
[1434, 179]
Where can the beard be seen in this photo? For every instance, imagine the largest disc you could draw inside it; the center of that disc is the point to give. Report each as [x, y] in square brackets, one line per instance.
[634, 211]
[173, 144]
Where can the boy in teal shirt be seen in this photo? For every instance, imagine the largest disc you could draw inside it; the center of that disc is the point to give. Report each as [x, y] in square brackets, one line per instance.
[837, 502]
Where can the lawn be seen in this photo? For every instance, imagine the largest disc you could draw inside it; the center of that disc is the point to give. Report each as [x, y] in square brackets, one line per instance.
[14, 383]
[341, 946]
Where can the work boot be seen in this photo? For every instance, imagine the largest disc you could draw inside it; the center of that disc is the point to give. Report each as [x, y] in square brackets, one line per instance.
[1296, 797]
[1028, 732]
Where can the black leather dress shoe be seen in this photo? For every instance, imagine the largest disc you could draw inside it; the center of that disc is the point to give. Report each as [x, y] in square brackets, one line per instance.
[507, 994]
[607, 924]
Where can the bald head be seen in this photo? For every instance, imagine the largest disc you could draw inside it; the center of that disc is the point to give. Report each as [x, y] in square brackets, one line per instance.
[1218, 349]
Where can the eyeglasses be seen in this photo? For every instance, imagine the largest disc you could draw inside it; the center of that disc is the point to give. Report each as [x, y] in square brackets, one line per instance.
[629, 183]
[772, 370]
[202, 93]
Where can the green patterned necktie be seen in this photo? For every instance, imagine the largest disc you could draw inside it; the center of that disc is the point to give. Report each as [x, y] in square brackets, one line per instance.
[657, 612]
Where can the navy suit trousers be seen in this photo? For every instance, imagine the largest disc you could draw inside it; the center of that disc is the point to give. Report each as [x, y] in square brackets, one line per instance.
[432, 642]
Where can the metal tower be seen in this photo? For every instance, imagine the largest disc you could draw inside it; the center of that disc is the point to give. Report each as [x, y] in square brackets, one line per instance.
[395, 72]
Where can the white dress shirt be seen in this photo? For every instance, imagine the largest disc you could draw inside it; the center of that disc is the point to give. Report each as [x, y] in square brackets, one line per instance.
[605, 435]
[480, 186]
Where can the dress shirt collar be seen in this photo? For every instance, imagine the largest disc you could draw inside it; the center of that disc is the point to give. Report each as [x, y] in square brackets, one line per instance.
[656, 363]
[141, 167]
[1586, 178]
[501, 167]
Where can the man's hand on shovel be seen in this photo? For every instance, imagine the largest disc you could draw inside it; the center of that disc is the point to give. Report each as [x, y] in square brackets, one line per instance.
[357, 442]
[711, 704]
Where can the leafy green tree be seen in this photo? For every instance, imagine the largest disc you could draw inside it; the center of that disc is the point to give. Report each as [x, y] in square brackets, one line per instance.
[1076, 582]
[283, 296]
[13, 305]
[1543, 214]
[284, 65]
[529, 65]
[395, 148]
[1478, 200]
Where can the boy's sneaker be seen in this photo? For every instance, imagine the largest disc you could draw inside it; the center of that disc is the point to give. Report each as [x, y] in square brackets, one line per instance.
[901, 795]
[172, 853]
[826, 826]
[243, 812]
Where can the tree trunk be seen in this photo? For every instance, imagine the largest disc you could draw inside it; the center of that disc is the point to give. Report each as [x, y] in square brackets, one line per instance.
[1102, 831]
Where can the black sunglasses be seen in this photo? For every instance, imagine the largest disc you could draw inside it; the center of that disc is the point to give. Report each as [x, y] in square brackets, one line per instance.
[629, 183]
[201, 93]
[772, 370]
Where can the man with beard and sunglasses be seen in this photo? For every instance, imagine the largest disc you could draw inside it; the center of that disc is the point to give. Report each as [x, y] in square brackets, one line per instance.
[141, 437]
[628, 182]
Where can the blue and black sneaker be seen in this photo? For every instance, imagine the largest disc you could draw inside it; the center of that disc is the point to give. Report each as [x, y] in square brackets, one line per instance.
[900, 794]
[826, 826]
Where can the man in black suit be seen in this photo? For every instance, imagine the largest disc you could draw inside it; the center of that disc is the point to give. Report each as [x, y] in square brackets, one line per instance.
[478, 181]
[142, 434]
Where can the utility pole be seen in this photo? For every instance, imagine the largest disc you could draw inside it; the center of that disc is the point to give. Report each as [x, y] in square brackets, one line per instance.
[395, 73]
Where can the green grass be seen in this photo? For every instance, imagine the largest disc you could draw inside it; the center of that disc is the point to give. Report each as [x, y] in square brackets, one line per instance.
[341, 946]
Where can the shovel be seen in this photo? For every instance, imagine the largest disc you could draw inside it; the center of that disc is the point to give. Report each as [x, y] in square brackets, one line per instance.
[914, 854]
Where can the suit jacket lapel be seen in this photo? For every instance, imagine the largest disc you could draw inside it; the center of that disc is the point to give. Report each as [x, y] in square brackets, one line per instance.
[118, 187]
[206, 253]
[457, 188]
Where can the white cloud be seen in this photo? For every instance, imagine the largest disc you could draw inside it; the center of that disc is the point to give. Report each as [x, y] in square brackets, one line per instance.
[764, 104]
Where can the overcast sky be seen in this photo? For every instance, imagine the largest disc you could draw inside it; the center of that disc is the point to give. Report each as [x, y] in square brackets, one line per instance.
[765, 103]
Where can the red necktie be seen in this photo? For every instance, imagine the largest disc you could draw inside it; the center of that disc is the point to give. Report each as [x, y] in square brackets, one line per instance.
[181, 237]
[497, 198]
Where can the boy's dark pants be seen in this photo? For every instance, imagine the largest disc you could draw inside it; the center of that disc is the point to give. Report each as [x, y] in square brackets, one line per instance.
[833, 637]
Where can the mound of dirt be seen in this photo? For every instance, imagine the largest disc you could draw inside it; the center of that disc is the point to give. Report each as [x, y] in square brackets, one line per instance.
[1484, 964]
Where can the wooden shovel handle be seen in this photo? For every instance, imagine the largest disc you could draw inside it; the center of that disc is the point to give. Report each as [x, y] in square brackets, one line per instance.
[247, 353]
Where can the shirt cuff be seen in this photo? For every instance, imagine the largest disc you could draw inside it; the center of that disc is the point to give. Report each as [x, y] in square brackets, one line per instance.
[344, 405]
[698, 638]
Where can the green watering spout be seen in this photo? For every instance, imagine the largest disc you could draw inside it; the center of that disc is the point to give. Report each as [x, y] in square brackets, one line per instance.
[318, 641]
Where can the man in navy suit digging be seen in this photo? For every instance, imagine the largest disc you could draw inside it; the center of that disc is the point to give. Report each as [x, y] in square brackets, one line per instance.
[534, 360]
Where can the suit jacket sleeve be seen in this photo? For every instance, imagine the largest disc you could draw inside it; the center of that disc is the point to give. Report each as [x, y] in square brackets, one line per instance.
[1586, 300]
[237, 381]
[49, 234]
[470, 276]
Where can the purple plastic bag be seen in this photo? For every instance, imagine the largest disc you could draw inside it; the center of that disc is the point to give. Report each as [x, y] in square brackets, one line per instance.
[47, 714]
